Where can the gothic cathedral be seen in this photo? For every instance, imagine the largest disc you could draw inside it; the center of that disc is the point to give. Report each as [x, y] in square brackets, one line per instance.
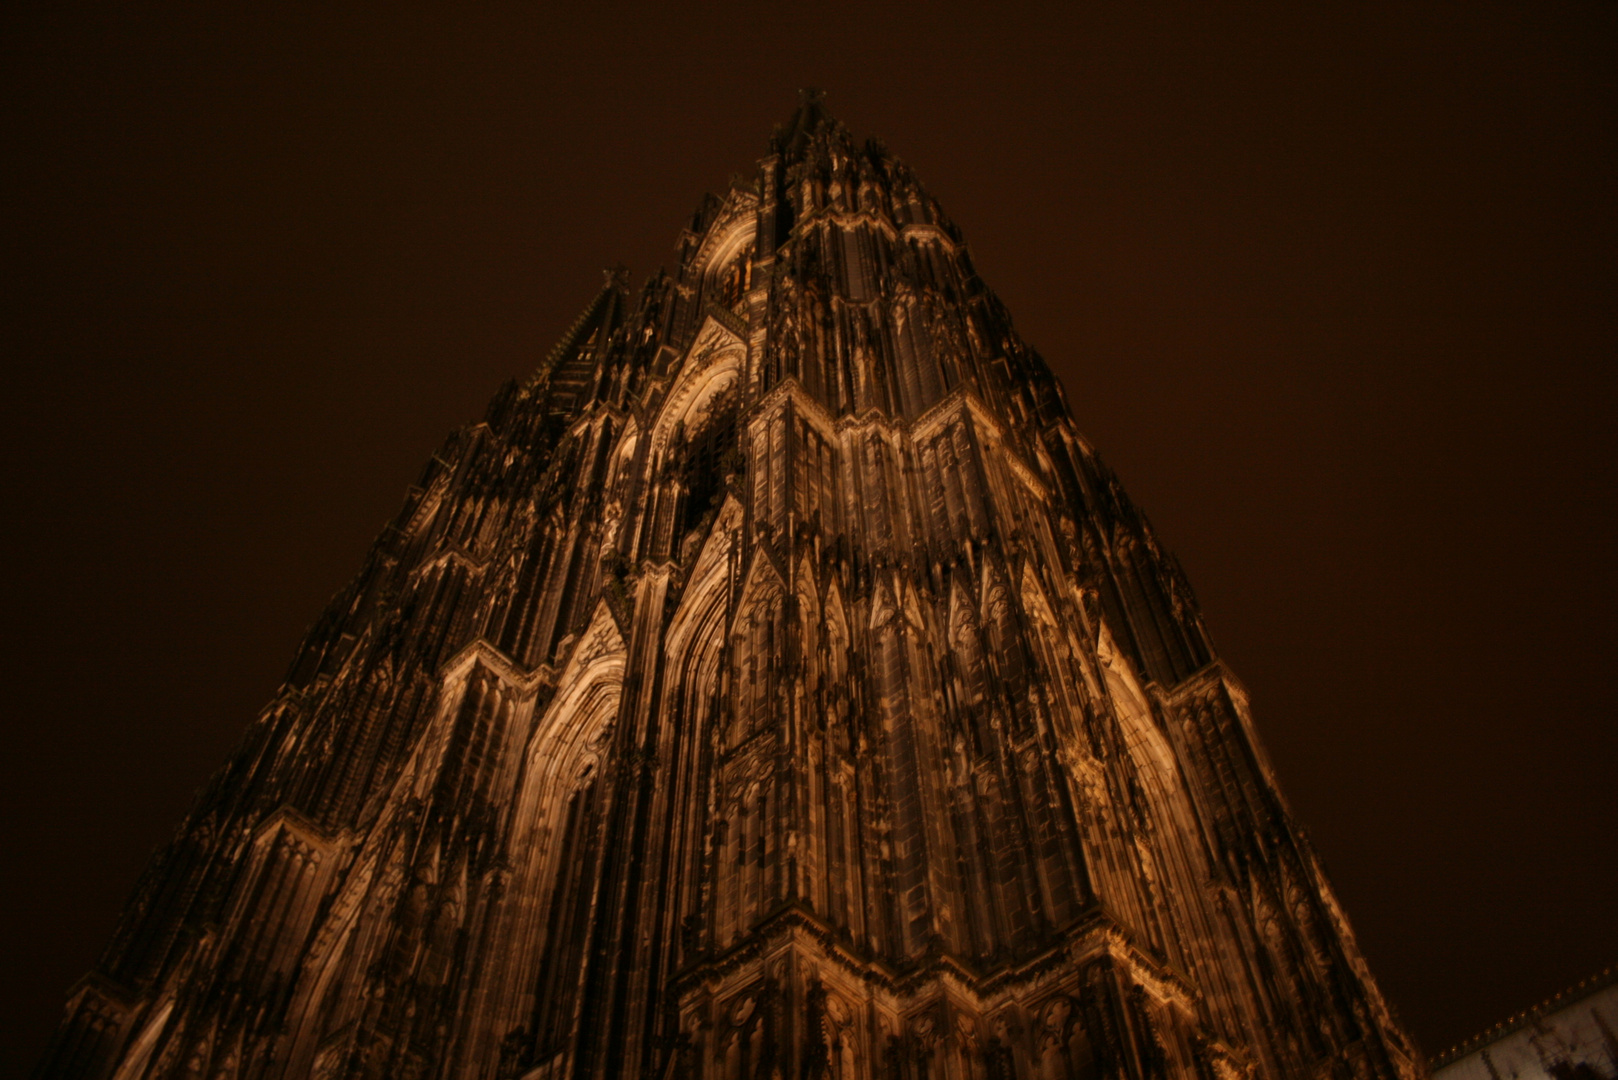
[774, 686]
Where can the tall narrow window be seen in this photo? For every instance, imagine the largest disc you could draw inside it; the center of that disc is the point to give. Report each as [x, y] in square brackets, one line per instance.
[736, 279]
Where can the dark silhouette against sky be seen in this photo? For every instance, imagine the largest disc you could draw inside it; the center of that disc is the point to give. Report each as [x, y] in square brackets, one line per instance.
[1332, 288]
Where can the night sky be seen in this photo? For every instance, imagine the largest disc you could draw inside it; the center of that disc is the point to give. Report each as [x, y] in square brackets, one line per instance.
[1332, 287]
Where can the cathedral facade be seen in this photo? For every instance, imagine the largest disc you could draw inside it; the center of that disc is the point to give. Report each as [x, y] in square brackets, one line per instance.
[775, 685]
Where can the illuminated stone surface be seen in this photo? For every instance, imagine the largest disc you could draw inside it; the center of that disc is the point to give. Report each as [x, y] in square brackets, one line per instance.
[775, 685]
[1573, 1036]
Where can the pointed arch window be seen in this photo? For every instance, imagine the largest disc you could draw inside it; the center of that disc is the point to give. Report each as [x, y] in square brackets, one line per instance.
[706, 459]
[734, 279]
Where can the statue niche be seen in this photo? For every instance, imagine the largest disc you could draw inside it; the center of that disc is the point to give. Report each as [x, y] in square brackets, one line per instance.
[704, 459]
[734, 279]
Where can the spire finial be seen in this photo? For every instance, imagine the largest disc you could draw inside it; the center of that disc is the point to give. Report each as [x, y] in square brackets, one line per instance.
[811, 114]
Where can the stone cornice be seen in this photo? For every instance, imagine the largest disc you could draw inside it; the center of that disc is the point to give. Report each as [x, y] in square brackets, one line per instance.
[497, 663]
[789, 389]
[1094, 937]
[926, 230]
[295, 822]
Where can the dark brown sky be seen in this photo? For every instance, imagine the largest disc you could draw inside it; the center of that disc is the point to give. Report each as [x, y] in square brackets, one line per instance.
[1332, 287]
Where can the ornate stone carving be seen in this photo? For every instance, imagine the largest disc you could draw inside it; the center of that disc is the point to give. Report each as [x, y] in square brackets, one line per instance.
[775, 685]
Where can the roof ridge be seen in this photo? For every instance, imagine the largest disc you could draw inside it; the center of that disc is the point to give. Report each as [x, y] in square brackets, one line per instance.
[1590, 983]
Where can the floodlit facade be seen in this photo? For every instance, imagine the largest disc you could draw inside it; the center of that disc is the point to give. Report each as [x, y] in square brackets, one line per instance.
[774, 685]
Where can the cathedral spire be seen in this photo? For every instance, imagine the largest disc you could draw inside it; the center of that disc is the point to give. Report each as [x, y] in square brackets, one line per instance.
[568, 368]
[807, 120]
[776, 685]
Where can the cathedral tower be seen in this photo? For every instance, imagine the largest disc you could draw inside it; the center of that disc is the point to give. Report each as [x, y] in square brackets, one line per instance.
[774, 685]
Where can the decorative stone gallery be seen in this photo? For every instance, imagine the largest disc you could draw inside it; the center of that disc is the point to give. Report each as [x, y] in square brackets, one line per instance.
[774, 686]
